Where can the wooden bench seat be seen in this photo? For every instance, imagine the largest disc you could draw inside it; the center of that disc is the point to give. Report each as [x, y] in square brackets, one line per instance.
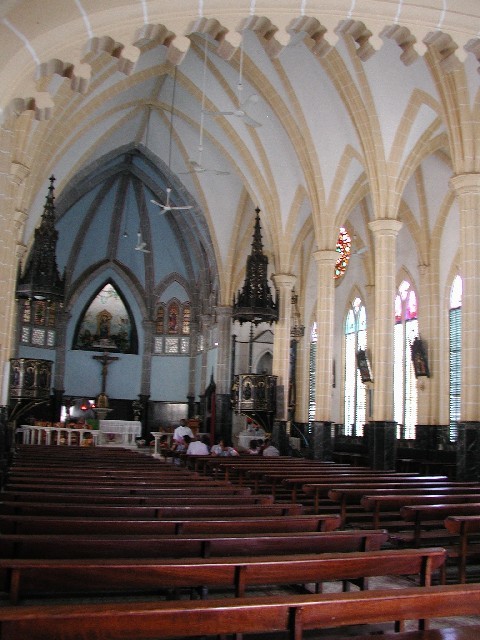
[322, 490]
[433, 516]
[247, 506]
[293, 482]
[347, 497]
[467, 528]
[34, 577]
[146, 513]
[144, 490]
[379, 504]
[166, 499]
[293, 614]
[197, 545]
[259, 524]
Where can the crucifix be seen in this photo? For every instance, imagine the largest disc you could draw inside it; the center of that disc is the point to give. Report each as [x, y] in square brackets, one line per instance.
[105, 360]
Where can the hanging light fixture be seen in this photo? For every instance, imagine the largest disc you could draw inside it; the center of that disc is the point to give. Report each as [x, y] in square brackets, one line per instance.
[254, 302]
[41, 279]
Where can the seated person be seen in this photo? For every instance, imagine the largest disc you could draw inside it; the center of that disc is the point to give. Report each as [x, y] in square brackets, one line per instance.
[222, 449]
[269, 449]
[197, 447]
[181, 431]
[254, 448]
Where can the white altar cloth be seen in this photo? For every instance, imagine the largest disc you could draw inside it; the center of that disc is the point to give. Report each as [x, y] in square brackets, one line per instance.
[120, 432]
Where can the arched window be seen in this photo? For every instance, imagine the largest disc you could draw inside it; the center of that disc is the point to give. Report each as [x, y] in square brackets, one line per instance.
[172, 328]
[107, 324]
[312, 372]
[355, 409]
[455, 355]
[404, 381]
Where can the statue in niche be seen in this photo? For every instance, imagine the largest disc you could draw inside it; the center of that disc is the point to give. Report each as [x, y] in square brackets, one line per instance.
[104, 319]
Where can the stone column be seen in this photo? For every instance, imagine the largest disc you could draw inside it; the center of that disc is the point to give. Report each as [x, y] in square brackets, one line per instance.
[223, 381]
[325, 312]
[284, 283]
[380, 433]
[467, 189]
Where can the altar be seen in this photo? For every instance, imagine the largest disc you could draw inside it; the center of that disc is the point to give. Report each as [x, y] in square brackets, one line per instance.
[119, 432]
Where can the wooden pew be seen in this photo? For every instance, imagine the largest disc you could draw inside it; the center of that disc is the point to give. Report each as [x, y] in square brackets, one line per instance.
[147, 513]
[35, 577]
[125, 490]
[293, 481]
[178, 498]
[259, 524]
[433, 514]
[347, 496]
[393, 503]
[293, 614]
[247, 507]
[204, 545]
[322, 490]
[467, 528]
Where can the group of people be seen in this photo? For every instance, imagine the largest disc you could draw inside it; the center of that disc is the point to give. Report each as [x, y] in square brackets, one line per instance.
[184, 441]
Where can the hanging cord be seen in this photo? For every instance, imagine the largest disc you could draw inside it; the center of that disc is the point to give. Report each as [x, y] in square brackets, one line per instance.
[171, 117]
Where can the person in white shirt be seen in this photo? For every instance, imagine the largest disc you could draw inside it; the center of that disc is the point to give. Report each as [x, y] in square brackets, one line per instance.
[222, 449]
[181, 431]
[270, 450]
[198, 448]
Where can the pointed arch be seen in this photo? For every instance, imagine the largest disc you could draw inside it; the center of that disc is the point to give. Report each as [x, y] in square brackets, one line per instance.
[106, 322]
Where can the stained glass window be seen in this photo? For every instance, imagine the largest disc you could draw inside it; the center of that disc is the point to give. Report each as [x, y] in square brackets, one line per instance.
[173, 317]
[344, 244]
[186, 320]
[160, 320]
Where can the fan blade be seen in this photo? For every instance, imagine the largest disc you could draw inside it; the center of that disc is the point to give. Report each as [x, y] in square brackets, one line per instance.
[220, 113]
[250, 121]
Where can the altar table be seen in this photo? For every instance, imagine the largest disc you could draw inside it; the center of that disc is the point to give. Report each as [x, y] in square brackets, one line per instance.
[120, 432]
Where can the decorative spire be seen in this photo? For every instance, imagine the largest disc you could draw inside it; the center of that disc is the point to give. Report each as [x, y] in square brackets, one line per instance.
[254, 302]
[41, 279]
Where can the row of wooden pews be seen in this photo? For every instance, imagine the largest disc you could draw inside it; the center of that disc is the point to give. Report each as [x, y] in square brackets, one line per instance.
[416, 510]
[104, 526]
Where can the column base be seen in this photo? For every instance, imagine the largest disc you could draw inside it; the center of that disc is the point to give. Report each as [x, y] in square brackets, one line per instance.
[321, 440]
[468, 452]
[381, 444]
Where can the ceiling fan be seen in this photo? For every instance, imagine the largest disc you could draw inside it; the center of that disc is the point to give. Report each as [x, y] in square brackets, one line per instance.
[167, 206]
[197, 166]
[241, 112]
[141, 244]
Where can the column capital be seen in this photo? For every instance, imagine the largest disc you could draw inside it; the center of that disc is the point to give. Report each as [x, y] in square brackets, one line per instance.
[286, 280]
[466, 183]
[224, 311]
[385, 226]
[326, 256]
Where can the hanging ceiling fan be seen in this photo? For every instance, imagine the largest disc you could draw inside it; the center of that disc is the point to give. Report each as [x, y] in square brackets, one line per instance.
[241, 112]
[197, 166]
[141, 244]
[167, 206]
